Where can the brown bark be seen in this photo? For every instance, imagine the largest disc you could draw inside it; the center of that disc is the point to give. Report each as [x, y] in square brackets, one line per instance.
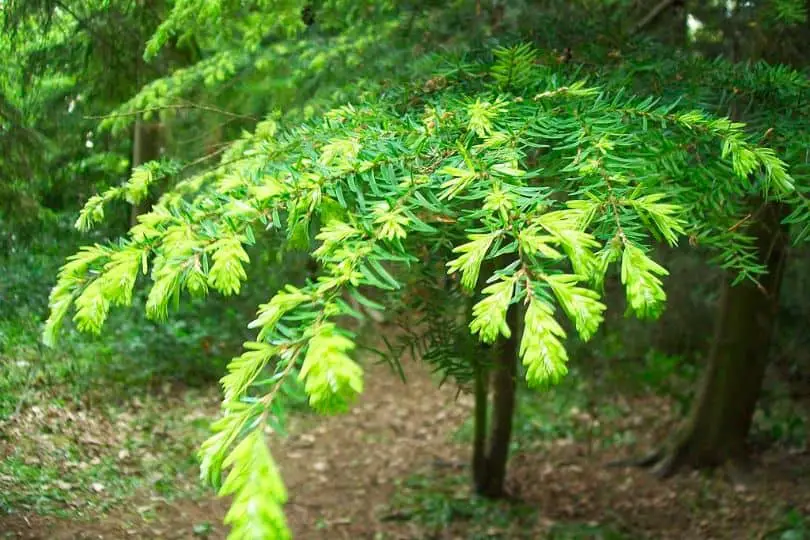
[146, 143]
[479, 459]
[723, 409]
[490, 473]
[666, 20]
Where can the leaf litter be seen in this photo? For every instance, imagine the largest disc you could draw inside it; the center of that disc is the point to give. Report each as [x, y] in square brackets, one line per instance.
[352, 476]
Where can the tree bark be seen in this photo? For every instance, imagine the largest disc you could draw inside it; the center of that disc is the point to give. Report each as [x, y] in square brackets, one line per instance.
[479, 458]
[145, 147]
[666, 20]
[490, 480]
[723, 409]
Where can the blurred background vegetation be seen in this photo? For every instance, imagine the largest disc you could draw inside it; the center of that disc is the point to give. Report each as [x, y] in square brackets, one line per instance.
[81, 105]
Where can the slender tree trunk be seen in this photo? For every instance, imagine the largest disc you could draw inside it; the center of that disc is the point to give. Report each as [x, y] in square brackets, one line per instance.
[145, 147]
[666, 20]
[479, 459]
[723, 409]
[137, 159]
[490, 478]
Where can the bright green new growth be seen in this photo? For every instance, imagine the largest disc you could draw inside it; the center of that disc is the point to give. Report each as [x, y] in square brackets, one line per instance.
[549, 182]
[489, 315]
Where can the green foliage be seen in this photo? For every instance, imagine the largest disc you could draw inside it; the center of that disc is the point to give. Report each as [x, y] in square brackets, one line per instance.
[542, 180]
[489, 315]
[117, 385]
[645, 292]
[472, 255]
[133, 192]
[780, 420]
[457, 187]
[331, 378]
[794, 526]
[439, 503]
[134, 353]
[67, 62]
[541, 348]
[251, 63]
[254, 477]
[188, 17]
[790, 12]
[513, 65]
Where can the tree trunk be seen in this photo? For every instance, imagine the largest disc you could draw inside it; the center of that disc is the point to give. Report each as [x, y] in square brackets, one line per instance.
[479, 459]
[666, 20]
[723, 410]
[145, 147]
[490, 476]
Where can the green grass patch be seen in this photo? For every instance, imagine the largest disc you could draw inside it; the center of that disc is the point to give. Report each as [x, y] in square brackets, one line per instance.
[74, 463]
[792, 524]
[441, 503]
[438, 502]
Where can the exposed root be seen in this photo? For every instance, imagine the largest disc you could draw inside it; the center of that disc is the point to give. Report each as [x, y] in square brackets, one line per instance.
[667, 461]
[667, 466]
[663, 462]
[643, 461]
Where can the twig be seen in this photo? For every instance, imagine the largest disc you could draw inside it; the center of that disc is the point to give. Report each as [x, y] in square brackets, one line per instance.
[197, 106]
[205, 134]
[739, 223]
[650, 17]
[204, 158]
[218, 165]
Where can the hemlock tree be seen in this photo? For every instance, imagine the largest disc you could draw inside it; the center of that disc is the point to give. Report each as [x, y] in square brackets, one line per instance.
[19, 146]
[723, 411]
[774, 102]
[527, 186]
[238, 63]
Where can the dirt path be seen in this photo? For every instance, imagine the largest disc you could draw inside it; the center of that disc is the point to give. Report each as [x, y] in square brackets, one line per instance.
[340, 472]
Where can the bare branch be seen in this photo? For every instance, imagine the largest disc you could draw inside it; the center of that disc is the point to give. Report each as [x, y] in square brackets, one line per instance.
[197, 106]
[650, 17]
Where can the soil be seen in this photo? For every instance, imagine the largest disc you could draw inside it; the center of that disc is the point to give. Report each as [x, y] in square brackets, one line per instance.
[341, 473]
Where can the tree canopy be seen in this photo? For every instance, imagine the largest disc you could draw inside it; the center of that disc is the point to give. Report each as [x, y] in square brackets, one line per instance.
[396, 145]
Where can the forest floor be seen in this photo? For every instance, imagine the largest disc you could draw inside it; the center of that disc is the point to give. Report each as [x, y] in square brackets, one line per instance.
[392, 468]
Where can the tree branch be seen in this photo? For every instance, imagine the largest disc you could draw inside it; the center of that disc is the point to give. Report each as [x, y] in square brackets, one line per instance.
[198, 106]
[650, 17]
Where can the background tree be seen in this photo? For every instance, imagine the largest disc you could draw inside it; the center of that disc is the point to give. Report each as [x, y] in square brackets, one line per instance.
[76, 60]
[721, 417]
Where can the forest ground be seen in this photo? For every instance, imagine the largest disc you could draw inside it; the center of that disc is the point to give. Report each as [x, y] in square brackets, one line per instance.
[393, 467]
